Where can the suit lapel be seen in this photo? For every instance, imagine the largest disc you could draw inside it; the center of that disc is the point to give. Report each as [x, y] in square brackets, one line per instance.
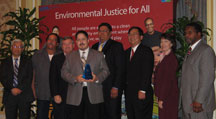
[11, 68]
[135, 53]
[107, 46]
[90, 55]
[79, 59]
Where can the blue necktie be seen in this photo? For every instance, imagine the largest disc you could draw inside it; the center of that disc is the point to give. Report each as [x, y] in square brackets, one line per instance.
[15, 79]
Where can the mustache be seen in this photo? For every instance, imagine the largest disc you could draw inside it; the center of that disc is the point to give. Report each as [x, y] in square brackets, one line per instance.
[81, 44]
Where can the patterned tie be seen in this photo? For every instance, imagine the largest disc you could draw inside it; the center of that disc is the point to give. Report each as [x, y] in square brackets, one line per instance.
[189, 51]
[100, 47]
[83, 60]
[132, 54]
[15, 79]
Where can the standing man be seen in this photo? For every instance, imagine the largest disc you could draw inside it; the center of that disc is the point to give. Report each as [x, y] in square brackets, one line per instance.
[112, 86]
[16, 77]
[152, 37]
[139, 67]
[41, 66]
[84, 95]
[198, 75]
[58, 86]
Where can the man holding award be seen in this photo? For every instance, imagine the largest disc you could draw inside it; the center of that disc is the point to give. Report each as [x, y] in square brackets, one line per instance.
[84, 70]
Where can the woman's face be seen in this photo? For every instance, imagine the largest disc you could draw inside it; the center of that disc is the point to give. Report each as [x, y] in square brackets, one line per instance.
[56, 30]
[166, 45]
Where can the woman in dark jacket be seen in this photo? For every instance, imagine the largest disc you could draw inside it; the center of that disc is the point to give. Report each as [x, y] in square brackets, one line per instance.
[166, 87]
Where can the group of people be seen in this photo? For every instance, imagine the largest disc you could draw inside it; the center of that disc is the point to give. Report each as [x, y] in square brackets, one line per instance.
[148, 67]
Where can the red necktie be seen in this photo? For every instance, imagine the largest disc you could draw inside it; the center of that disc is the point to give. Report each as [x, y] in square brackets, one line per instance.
[189, 51]
[132, 53]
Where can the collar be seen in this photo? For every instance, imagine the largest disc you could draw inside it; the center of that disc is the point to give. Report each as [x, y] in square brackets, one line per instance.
[103, 43]
[135, 47]
[194, 45]
[86, 50]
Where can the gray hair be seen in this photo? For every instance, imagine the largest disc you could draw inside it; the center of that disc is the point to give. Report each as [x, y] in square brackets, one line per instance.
[68, 37]
[17, 40]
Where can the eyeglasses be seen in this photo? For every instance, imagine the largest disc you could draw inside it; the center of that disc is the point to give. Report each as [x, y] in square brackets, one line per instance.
[149, 24]
[14, 46]
[136, 34]
[103, 31]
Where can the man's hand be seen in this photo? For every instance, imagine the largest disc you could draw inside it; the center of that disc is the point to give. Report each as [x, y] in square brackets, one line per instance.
[197, 107]
[114, 92]
[80, 79]
[16, 91]
[57, 99]
[160, 104]
[94, 78]
[141, 95]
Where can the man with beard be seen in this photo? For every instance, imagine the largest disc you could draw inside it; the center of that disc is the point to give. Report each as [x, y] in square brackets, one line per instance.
[115, 59]
[198, 75]
[41, 65]
[58, 86]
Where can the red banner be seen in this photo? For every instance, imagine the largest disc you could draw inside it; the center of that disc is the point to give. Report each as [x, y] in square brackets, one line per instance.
[121, 14]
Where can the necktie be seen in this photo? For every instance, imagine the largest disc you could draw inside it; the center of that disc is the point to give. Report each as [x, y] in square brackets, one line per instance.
[83, 60]
[15, 79]
[100, 47]
[132, 54]
[189, 51]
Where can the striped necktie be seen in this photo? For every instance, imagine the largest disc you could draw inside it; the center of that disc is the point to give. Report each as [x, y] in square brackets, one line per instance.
[100, 47]
[15, 79]
[83, 60]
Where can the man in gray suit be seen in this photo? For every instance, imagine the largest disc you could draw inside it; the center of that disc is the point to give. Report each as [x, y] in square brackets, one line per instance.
[198, 74]
[84, 96]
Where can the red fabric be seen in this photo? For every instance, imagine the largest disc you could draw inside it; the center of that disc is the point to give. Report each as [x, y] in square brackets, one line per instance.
[166, 87]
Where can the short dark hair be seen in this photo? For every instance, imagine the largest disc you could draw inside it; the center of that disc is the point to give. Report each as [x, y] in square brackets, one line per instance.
[196, 26]
[68, 37]
[138, 28]
[171, 38]
[58, 38]
[83, 32]
[105, 24]
[148, 19]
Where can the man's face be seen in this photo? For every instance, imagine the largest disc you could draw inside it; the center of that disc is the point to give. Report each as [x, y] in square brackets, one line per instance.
[67, 46]
[82, 41]
[149, 26]
[17, 49]
[191, 35]
[134, 38]
[104, 33]
[52, 42]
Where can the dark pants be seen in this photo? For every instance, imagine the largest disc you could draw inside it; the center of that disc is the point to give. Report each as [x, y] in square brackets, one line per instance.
[112, 107]
[13, 104]
[92, 111]
[43, 109]
[59, 110]
[139, 109]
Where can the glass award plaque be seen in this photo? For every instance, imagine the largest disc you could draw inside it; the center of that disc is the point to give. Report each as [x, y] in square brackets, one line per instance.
[87, 74]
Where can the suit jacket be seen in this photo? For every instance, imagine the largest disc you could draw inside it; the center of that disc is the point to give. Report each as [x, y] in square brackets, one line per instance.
[25, 72]
[139, 72]
[73, 67]
[115, 59]
[41, 66]
[58, 86]
[198, 75]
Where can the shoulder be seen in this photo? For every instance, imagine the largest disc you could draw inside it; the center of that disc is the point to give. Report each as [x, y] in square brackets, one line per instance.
[6, 60]
[95, 45]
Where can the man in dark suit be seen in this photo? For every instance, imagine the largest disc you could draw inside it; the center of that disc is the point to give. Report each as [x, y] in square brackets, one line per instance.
[84, 95]
[16, 77]
[58, 87]
[115, 59]
[139, 67]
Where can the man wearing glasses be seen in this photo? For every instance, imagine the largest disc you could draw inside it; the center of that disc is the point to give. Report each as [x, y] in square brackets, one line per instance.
[16, 77]
[152, 37]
